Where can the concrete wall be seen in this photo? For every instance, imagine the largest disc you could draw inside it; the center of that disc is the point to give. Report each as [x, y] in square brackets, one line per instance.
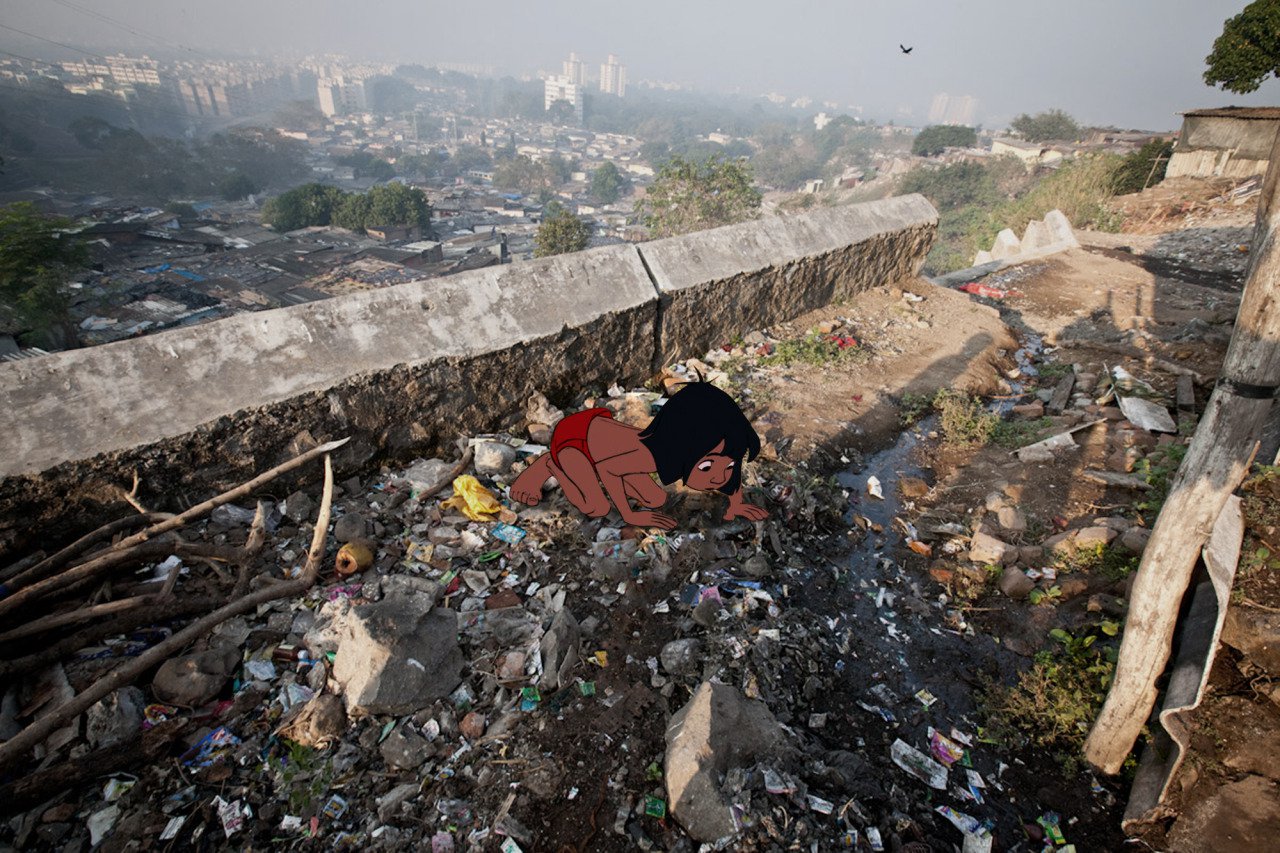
[1221, 146]
[404, 370]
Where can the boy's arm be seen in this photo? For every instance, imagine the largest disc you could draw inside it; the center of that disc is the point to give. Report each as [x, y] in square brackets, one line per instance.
[611, 472]
[739, 507]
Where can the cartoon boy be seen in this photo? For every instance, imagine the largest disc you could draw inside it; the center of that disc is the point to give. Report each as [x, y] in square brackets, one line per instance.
[700, 436]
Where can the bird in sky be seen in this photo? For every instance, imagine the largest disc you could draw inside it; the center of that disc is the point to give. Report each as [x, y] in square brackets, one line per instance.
[906, 49]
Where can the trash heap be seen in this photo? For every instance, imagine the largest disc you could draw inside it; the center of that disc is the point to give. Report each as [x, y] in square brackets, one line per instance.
[473, 674]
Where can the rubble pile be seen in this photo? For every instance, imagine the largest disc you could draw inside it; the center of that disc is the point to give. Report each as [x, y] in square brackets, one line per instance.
[472, 673]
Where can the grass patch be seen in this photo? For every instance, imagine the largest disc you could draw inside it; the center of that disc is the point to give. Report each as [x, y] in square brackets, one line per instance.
[1053, 704]
[1020, 433]
[812, 349]
[1100, 560]
[913, 408]
[965, 421]
[1052, 371]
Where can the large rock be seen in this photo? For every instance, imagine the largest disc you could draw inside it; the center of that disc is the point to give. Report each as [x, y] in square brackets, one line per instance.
[1015, 583]
[351, 527]
[395, 658]
[493, 458]
[192, 680]
[1135, 539]
[405, 750]
[1092, 537]
[681, 657]
[560, 649]
[986, 548]
[115, 719]
[1255, 634]
[717, 730]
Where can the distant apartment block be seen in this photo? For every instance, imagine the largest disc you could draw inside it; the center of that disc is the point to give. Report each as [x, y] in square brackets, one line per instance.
[613, 77]
[957, 110]
[127, 70]
[558, 88]
[341, 96]
[575, 70]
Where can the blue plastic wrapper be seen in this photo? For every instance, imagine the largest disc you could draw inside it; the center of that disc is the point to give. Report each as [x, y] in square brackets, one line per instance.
[211, 747]
[508, 533]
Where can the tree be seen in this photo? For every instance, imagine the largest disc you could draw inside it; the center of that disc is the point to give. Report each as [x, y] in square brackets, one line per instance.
[519, 172]
[36, 256]
[236, 186]
[560, 233]
[562, 112]
[1143, 168]
[687, 196]
[655, 152]
[607, 183]
[1248, 51]
[301, 207]
[1052, 124]
[937, 138]
[397, 204]
[951, 187]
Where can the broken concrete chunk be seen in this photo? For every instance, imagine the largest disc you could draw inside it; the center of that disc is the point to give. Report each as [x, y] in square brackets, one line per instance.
[428, 476]
[350, 527]
[192, 680]
[719, 729]
[1094, 537]
[1011, 518]
[681, 657]
[1147, 415]
[985, 548]
[115, 719]
[394, 659]
[560, 650]
[389, 804]
[1135, 539]
[494, 458]
[405, 750]
[318, 723]
[1015, 584]
[298, 506]
[540, 411]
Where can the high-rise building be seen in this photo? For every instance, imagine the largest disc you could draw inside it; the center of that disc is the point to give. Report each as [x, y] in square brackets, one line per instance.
[563, 89]
[946, 109]
[339, 96]
[575, 69]
[613, 77]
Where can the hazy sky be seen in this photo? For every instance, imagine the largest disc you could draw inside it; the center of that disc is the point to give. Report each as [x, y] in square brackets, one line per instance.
[1131, 63]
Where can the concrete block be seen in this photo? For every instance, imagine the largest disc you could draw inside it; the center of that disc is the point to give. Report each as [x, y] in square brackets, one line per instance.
[755, 274]
[1006, 245]
[1037, 236]
[1060, 229]
[983, 257]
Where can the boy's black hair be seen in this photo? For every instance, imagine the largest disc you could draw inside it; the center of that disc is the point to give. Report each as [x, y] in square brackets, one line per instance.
[694, 420]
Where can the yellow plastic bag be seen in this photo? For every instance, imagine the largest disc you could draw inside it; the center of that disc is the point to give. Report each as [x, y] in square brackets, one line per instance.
[472, 499]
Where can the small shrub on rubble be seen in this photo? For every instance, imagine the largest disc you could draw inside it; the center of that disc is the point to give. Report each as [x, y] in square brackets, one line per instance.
[964, 419]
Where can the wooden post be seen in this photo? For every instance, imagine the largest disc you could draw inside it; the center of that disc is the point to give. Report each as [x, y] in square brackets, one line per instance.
[1215, 464]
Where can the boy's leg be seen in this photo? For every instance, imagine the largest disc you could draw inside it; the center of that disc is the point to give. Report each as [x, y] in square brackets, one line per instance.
[528, 486]
[642, 489]
[586, 493]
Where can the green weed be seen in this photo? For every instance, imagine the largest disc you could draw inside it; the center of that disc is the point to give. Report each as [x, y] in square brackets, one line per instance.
[912, 407]
[1109, 563]
[1052, 371]
[812, 349]
[964, 419]
[1054, 703]
[1019, 433]
[1158, 469]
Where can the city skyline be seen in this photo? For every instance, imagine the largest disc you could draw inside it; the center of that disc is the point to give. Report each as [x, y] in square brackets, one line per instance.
[1157, 54]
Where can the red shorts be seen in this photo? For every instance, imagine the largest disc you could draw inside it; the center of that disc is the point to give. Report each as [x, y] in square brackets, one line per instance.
[572, 432]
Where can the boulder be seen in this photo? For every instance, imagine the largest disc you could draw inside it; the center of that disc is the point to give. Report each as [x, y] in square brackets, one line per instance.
[394, 658]
[986, 548]
[681, 657]
[1135, 539]
[351, 527]
[192, 680]
[1255, 634]
[115, 719]
[538, 410]
[1011, 518]
[718, 730]
[405, 750]
[1060, 543]
[494, 458]
[561, 646]
[298, 506]
[1092, 537]
[1015, 583]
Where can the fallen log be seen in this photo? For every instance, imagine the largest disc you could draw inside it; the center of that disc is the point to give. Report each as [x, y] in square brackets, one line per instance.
[81, 572]
[47, 566]
[16, 748]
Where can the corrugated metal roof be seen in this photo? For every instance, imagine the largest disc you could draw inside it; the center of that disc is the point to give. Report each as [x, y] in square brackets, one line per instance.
[1271, 113]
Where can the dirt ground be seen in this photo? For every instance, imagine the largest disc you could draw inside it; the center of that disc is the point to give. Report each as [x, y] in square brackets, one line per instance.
[880, 624]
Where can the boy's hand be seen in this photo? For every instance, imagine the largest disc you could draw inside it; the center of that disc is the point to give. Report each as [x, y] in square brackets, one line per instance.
[750, 512]
[650, 519]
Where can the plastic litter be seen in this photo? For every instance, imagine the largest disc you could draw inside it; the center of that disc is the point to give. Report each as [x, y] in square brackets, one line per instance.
[508, 533]
[232, 815]
[919, 765]
[1050, 822]
[874, 488]
[472, 499]
[171, 828]
[961, 821]
[944, 748]
[654, 807]
[211, 747]
[101, 822]
[335, 807]
[873, 838]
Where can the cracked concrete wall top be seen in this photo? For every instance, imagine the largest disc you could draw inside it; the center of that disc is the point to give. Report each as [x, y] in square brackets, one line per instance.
[80, 403]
